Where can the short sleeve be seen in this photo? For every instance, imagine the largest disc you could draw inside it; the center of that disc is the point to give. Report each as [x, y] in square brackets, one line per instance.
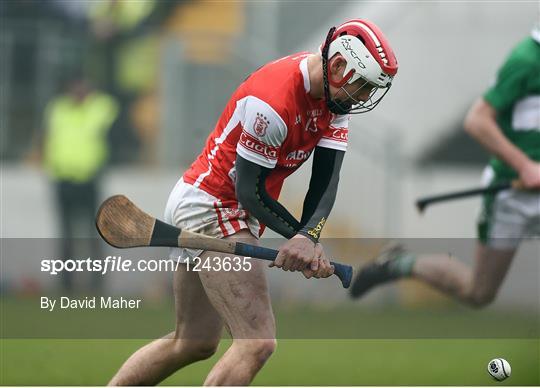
[510, 84]
[337, 133]
[263, 132]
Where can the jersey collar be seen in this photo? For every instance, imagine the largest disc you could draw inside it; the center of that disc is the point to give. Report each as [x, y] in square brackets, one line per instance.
[305, 74]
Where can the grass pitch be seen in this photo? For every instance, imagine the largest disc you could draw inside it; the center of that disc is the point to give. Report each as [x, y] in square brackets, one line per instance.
[296, 362]
[344, 345]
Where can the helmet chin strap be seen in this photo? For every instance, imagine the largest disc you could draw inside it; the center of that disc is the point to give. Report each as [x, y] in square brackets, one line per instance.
[336, 108]
[333, 106]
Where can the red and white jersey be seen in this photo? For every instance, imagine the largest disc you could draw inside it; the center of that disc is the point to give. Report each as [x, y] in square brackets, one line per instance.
[270, 120]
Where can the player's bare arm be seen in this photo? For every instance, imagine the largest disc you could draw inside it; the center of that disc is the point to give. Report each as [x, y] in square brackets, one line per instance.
[481, 124]
[505, 121]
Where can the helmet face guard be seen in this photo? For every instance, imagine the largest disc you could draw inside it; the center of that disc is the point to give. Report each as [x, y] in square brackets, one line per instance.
[353, 105]
[371, 65]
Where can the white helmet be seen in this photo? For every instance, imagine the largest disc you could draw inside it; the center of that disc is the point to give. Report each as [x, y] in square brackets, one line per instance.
[369, 57]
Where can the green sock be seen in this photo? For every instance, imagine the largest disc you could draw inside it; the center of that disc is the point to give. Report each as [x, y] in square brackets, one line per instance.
[402, 265]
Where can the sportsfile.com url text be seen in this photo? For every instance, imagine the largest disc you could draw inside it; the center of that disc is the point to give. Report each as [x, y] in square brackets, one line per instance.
[119, 264]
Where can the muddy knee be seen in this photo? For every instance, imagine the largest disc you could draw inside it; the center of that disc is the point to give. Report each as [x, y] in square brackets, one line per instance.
[259, 350]
[195, 349]
[263, 349]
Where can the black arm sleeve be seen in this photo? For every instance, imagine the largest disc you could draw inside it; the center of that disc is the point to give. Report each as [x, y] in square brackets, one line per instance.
[251, 193]
[322, 191]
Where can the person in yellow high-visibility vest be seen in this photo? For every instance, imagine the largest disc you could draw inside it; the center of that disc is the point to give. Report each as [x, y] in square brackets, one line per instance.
[75, 152]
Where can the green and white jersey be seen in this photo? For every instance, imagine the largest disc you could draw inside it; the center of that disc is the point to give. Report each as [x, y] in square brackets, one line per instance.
[515, 96]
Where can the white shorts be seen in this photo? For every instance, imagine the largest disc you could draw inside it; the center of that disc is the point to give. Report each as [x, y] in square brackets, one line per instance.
[508, 216]
[193, 209]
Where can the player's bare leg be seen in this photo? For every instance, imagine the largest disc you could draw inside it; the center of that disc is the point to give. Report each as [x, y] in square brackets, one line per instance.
[197, 335]
[475, 286]
[242, 300]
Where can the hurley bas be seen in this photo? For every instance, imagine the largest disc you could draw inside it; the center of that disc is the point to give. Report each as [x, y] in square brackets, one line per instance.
[89, 303]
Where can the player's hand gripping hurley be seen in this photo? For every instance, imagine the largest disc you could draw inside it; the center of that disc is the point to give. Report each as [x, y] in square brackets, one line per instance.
[123, 225]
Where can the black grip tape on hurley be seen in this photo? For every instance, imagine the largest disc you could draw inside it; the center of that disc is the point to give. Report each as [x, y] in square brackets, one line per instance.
[164, 235]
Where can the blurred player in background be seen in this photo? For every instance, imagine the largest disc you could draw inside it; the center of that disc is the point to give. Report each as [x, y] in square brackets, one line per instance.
[506, 121]
[75, 151]
[279, 116]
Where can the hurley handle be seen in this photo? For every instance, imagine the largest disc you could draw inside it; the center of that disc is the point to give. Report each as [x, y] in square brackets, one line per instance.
[342, 271]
